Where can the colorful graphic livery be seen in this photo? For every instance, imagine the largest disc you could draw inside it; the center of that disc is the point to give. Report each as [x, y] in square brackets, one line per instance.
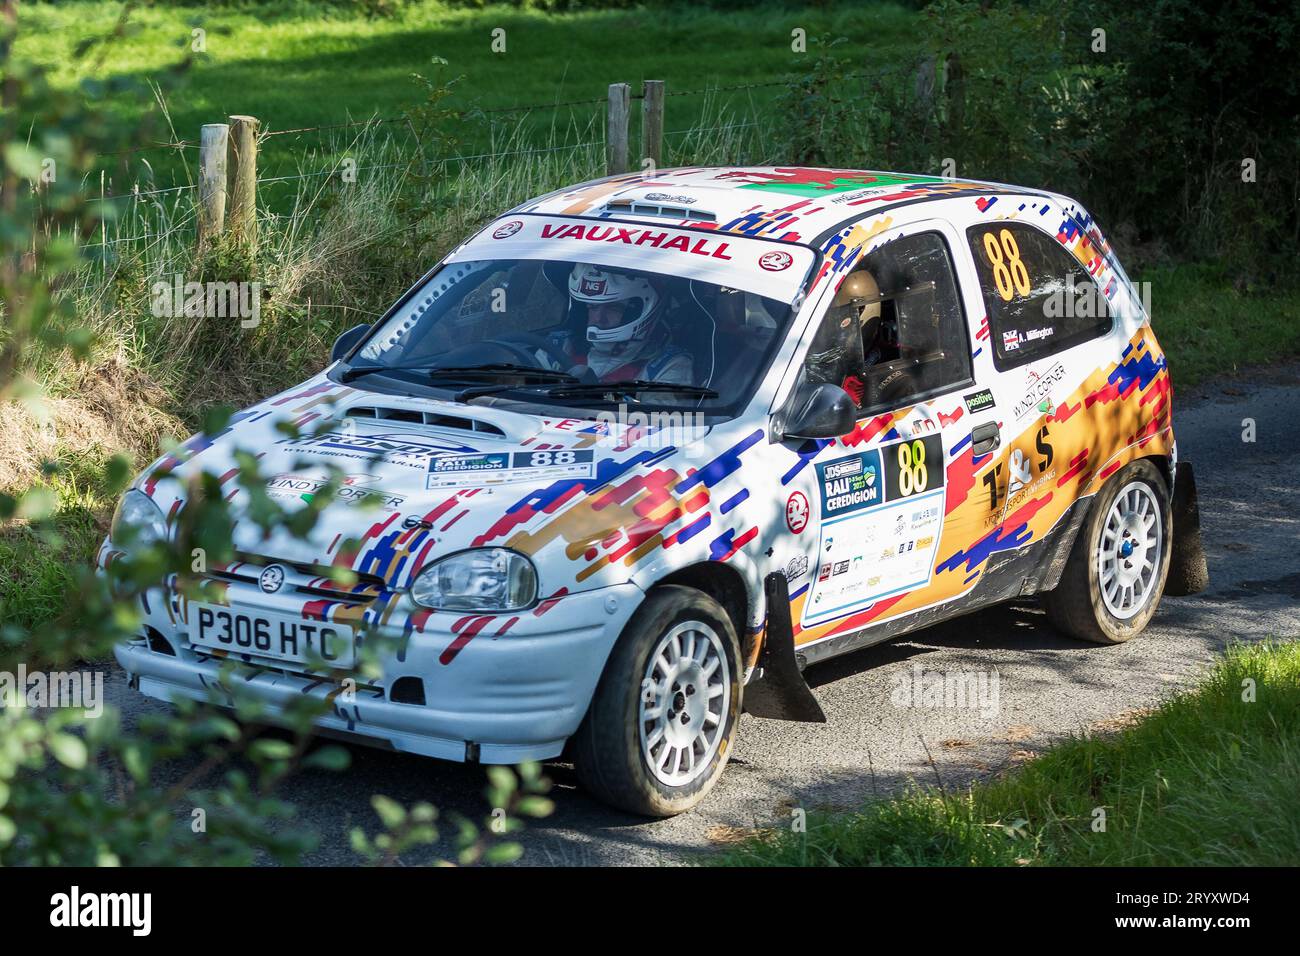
[638, 452]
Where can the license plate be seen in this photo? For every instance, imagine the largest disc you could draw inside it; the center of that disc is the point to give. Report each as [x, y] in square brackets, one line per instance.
[280, 636]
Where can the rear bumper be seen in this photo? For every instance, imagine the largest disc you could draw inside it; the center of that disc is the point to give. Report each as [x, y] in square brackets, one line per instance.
[517, 690]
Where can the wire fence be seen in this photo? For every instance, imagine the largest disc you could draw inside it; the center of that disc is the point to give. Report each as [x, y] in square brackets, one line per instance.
[413, 156]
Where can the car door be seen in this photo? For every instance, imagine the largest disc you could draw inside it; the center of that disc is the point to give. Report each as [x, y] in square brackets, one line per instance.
[1046, 322]
[888, 502]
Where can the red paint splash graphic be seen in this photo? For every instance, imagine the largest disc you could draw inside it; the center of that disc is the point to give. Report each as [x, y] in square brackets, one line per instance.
[865, 431]
[1077, 464]
[465, 629]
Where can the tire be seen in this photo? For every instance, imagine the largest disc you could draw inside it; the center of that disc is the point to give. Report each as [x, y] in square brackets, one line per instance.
[1116, 572]
[624, 749]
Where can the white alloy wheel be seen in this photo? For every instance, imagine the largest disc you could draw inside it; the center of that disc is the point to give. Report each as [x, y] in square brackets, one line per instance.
[1130, 550]
[685, 700]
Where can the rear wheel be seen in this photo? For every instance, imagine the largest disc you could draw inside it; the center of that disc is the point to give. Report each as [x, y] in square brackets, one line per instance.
[662, 723]
[1115, 575]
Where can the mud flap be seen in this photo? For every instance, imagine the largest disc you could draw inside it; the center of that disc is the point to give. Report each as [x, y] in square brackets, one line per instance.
[781, 692]
[1188, 573]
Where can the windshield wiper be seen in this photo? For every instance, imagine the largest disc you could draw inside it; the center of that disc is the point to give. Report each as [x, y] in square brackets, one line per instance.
[628, 387]
[571, 387]
[464, 372]
[501, 370]
[356, 371]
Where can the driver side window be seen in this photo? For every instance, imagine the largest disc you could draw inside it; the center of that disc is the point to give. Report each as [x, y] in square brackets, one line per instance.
[902, 336]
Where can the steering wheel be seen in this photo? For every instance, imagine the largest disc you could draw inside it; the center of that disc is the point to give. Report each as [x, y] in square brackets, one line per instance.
[524, 346]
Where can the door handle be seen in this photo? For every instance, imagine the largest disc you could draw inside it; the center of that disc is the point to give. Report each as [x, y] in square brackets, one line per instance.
[984, 438]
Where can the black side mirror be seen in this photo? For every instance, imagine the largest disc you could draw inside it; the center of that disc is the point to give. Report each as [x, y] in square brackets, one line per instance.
[344, 343]
[819, 411]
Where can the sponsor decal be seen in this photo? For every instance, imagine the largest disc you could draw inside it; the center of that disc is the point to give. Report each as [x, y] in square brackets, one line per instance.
[397, 448]
[850, 484]
[592, 286]
[500, 468]
[507, 229]
[889, 500]
[775, 261]
[350, 490]
[1038, 390]
[652, 238]
[796, 512]
[669, 197]
[842, 469]
[979, 401]
[797, 567]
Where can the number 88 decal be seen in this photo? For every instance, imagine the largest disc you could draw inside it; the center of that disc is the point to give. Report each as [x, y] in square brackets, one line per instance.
[913, 467]
[912, 473]
[540, 459]
[1009, 272]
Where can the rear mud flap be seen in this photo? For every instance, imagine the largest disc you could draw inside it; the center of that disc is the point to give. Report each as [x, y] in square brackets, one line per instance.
[1188, 573]
[781, 692]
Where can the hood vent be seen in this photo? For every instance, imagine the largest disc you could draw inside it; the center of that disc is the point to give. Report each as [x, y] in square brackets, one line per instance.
[414, 416]
[627, 207]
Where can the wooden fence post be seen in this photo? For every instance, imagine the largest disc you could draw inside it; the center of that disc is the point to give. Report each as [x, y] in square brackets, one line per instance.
[652, 123]
[212, 181]
[243, 180]
[620, 95]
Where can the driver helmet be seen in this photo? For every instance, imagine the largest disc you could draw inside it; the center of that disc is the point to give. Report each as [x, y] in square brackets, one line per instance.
[594, 285]
[858, 297]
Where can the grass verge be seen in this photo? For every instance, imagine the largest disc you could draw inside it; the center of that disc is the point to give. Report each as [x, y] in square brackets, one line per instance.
[1208, 779]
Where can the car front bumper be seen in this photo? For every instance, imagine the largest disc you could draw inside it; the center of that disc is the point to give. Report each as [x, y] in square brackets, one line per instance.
[506, 696]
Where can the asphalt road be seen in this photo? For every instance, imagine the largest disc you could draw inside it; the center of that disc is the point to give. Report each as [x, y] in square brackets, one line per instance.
[1048, 686]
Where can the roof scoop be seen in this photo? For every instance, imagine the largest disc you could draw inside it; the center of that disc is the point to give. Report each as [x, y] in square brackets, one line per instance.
[659, 206]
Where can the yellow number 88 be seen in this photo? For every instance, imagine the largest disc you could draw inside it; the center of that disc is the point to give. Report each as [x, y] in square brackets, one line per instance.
[912, 474]
[1009, 272]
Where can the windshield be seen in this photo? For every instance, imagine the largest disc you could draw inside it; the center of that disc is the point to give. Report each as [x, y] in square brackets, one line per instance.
[556, 333]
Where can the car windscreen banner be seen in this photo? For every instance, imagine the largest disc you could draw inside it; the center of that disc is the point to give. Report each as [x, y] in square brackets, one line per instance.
[775, 270]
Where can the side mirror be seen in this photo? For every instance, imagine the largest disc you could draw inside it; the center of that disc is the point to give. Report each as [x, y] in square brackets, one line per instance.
[819, 411]
[344, 343]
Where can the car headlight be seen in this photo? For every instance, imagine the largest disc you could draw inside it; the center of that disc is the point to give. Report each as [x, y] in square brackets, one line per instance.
[484, 579]
[137, 521]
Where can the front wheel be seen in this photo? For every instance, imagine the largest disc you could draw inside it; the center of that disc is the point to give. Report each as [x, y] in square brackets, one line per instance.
[662, 722]
[1116, 571]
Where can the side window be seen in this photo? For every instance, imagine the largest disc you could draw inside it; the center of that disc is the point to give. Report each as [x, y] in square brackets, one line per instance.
[1040, 300]
[895, 330]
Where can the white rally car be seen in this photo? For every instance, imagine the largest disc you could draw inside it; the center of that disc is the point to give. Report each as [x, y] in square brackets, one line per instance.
[640, 450]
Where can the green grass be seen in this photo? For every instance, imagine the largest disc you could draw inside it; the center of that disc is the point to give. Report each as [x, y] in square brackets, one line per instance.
[1207, 779]
[1209, 328]
[298, 64]
[40, 563]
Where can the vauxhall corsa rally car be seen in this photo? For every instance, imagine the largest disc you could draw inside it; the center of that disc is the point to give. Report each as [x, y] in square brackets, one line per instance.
[641, 450]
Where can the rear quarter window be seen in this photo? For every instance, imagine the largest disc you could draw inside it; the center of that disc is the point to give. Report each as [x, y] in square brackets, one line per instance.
[1040, 300]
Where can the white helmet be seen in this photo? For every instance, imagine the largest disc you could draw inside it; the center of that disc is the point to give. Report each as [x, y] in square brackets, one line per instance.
[593, 285]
